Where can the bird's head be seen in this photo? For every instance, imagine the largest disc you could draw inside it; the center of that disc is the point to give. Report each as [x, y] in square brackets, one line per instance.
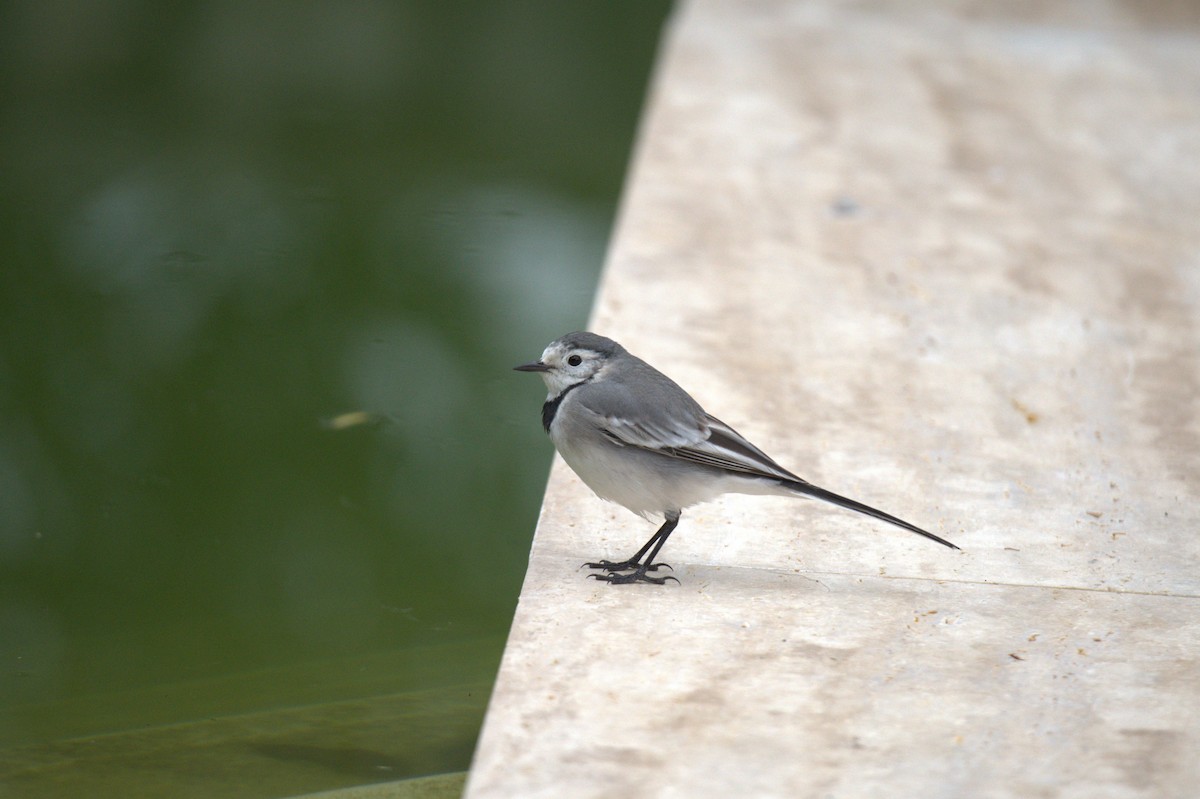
[575, 358]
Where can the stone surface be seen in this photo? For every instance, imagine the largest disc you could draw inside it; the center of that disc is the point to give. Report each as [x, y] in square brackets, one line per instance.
[945, 259]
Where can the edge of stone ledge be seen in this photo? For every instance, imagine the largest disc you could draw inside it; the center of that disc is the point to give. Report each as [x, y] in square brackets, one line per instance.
[436, 786]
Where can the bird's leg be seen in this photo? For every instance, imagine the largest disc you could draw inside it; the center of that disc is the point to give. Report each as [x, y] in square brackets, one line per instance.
[635, 563]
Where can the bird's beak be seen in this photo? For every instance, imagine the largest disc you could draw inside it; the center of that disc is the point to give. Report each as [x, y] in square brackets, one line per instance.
[536, 366]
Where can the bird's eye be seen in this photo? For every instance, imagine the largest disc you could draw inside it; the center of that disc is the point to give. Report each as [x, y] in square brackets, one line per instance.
[574, 360]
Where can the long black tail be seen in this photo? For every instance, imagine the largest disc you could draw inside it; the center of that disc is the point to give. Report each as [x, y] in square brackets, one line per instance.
[820, 493]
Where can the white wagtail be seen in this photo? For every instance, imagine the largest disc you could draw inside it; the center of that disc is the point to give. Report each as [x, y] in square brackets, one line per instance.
[636, 438]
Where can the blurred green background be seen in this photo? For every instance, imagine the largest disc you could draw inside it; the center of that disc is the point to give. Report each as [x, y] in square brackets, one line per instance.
[224, 225]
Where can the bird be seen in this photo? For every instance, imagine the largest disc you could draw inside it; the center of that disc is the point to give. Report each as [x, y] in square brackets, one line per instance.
[636, 438]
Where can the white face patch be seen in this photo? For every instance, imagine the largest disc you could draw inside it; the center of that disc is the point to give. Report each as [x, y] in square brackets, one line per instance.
[569, 366]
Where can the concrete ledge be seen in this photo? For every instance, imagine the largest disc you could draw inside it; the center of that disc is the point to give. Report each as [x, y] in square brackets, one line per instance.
[943, 259]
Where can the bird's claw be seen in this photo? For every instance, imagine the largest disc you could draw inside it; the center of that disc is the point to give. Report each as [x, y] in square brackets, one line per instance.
[639, 576]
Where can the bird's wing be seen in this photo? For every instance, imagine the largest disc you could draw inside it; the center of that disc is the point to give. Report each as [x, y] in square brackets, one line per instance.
[726, 448]
[630, 421]
[690, 435]
[652, 434]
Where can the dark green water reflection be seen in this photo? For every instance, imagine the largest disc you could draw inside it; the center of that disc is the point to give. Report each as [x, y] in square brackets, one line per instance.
[224, 225]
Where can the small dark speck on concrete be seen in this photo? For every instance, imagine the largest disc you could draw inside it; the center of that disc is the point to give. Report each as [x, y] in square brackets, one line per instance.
[845, 206]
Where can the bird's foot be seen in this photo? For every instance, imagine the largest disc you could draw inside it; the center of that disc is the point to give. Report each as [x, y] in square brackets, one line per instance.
[637, 576]
[626, 565]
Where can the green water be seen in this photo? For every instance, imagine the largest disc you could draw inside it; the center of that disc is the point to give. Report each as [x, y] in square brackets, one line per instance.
[224, 227]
